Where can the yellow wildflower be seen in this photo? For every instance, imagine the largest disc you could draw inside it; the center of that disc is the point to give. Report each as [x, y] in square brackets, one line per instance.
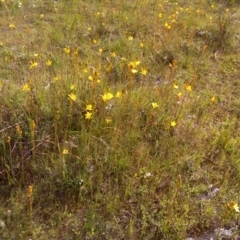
[65, 151]
[234, 206]
[134, 70]
[118, 95]
[26, 87]
[90, 78]
[72, 96]
[33, 65]
[173, 123]
[67, 49]
[57, 78]
[166, 25]
[179, 94]
[155, 105]
[113, 54]
[12, 25]
[107, 96]
[175, 86]
[130, 38]
[213, 99]
[48, 62]
[89, 107]
[73, 87]
[144, 71]
[108, 120]
[189, 88]
[88, 115]
[134, 64]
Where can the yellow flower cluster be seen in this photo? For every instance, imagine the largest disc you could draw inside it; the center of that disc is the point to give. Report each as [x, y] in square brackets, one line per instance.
[107, 96]
[133, 66]
[89, 109]
[33, 65]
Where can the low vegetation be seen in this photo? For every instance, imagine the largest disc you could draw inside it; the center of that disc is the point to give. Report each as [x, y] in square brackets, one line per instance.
[119, 119]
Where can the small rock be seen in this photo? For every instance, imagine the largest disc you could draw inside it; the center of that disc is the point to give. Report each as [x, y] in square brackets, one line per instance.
[210, 194]
[2, 224]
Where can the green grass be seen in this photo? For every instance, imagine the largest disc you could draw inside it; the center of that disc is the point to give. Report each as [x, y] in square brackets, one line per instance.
[118, 117]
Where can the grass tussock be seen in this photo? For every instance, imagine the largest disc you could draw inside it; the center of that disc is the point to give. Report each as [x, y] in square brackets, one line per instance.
[119, 119]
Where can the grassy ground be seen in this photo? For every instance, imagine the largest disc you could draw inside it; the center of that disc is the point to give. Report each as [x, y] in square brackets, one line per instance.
[119, 119]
